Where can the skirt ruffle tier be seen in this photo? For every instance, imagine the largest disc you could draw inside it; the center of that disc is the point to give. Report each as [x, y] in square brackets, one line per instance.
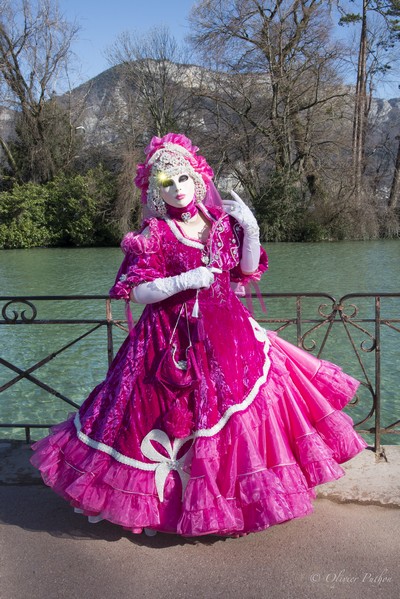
[259, 470]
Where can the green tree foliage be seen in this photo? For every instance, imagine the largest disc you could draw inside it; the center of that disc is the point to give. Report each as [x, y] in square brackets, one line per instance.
[283, 211]
[23, 219]
[68, 211]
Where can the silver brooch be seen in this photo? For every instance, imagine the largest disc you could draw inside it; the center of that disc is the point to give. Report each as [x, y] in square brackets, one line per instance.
[186, 216]
[205, 259]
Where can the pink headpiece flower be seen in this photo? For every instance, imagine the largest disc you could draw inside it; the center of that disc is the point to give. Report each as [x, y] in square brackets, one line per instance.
[171, 154]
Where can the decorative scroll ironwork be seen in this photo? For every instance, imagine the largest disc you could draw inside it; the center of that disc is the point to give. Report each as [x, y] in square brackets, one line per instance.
[345, 312]
[328, 314]
[13, 319]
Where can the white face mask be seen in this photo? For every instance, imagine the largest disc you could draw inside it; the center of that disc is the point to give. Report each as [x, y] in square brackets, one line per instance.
[178, 190]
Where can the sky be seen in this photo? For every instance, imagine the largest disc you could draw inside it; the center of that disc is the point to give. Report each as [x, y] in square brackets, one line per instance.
[101, 21]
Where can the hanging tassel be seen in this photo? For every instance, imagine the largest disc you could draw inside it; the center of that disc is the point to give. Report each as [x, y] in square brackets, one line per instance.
[196, 310]
[199, 333]
[198, 329]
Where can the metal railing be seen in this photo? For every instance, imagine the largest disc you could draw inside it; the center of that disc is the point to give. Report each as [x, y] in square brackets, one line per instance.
[362, 333]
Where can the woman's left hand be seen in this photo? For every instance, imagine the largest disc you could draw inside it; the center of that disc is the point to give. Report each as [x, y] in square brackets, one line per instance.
[242, 213]
[251, 241]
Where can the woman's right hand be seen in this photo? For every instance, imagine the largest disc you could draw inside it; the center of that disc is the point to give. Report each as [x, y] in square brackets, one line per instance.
[198, 278]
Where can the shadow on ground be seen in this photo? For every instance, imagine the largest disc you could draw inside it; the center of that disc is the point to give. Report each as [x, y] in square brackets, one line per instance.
[51, 514]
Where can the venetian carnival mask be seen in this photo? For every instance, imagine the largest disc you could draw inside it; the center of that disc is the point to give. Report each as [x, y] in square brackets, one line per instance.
[178, 190]
[168, 165]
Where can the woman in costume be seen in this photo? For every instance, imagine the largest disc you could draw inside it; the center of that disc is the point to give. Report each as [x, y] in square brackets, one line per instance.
[206, 423]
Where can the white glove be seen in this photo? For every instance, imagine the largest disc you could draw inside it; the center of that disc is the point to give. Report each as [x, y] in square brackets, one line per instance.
[251, 240]
[242, 213]
[161, 289]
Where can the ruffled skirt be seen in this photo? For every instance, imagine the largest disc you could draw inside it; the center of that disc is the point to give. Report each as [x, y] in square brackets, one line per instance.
[259, 470]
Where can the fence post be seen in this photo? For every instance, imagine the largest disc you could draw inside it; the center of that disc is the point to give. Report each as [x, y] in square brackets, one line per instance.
[110, 348]
[379, 451]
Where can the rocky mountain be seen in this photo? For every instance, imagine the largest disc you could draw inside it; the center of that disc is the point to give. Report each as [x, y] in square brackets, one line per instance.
[102, 99]
[100, 107]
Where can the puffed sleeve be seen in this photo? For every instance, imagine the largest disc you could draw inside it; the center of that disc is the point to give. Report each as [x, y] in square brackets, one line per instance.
[143, 261]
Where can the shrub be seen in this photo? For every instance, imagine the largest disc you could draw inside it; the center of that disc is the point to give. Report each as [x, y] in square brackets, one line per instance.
[23, 217]
[279, 208]
[70, 210]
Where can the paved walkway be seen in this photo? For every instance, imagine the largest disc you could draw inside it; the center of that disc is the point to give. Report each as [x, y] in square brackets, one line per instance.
[342, 550]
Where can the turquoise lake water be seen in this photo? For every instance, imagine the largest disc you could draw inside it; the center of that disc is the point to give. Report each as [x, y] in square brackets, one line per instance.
[332, 268]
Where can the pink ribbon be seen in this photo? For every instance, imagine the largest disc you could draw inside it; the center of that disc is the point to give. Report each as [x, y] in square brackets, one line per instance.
[128, 315]
[249, 301]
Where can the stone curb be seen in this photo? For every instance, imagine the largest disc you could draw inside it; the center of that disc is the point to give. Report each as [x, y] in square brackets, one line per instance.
[367, 480]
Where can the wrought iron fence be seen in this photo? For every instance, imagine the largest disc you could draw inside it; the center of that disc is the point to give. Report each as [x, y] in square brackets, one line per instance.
[315, 320]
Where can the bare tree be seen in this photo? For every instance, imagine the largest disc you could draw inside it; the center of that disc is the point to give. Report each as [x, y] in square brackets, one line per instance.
[154, 96]
[155, 79]
[35, 47]
[395, 186]
[375, 40]
[279, 103]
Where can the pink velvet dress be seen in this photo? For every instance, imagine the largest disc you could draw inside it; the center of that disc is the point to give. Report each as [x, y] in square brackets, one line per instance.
[206, 423]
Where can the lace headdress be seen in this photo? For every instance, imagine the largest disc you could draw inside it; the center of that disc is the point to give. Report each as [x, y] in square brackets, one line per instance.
[168, 156]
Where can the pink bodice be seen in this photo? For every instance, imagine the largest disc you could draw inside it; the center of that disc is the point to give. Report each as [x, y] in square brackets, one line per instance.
[166, 251]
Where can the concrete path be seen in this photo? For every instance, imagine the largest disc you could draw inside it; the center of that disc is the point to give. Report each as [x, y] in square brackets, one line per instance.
[340, 551]
[343, 550]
